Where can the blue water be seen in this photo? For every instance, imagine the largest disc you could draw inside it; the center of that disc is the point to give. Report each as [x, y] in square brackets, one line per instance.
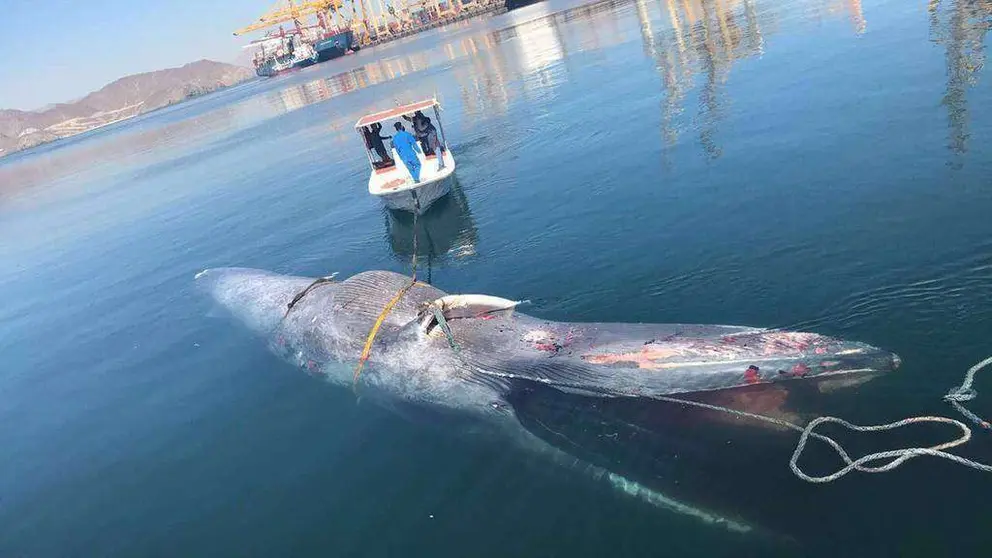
[799, 163]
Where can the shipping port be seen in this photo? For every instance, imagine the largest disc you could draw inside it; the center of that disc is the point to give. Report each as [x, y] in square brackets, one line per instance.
[302, 33]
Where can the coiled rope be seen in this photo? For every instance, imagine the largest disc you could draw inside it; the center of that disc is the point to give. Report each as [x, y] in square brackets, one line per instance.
[957, 396]
[891, 458]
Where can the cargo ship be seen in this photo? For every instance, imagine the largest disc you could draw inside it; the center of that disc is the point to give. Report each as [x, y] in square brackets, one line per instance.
[337, 32]
[335, 44]
[278, 54]
[282, 51]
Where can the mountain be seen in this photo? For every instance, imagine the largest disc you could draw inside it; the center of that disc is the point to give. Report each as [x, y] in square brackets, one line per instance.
[124, 98]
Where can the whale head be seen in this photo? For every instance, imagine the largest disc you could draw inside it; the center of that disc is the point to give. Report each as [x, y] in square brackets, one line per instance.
[256, 298]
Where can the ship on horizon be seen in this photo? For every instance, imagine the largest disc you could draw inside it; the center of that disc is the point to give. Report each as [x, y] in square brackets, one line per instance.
[337, 32]
[283, 51]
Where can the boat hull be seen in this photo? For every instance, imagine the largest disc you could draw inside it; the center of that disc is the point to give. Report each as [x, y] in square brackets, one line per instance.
[397, 190]
[272, 70]
[419, 199]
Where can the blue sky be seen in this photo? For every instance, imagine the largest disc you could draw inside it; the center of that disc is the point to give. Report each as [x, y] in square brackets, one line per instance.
[59, 50]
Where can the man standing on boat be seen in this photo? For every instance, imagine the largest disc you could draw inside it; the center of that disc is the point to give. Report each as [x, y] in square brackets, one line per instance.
[406, 147]
[422, 127]
[374, 139]
[427, 136]
[436, 146]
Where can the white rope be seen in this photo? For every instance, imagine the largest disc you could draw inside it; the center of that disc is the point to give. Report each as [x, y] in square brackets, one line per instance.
[965, 392]
[891, 458]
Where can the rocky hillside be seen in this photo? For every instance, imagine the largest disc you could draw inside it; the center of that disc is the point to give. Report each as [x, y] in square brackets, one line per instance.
[124, 98]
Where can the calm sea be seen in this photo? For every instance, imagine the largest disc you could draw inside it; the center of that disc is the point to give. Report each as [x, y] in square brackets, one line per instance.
[815, 163]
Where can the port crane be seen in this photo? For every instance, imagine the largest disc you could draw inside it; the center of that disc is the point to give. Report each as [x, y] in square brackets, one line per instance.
[289, 10]
[369, 20]
[363, 19]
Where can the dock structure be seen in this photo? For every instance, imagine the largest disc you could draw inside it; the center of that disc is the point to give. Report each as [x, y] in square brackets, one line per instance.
[370, 22]
[478, 8]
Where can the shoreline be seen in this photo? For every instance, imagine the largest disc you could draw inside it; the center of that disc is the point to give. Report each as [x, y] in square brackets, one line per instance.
[11, 152]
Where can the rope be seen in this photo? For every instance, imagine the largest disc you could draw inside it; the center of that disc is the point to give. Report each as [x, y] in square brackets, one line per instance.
[965, 392]
[891, 458]
[370, 339]
[442, 323]
[299, 296]
[367, 350]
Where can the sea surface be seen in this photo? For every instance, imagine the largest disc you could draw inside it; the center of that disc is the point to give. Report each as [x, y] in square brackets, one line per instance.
[818, 164]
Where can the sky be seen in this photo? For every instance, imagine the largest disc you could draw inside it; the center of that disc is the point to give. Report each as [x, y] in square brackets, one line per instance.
[60, 50]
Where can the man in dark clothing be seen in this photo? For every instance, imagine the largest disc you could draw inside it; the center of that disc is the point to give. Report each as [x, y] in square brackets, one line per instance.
[422, 128]
[375, 139]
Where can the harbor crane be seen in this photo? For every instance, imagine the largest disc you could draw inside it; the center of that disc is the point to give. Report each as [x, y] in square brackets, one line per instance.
[289, 10]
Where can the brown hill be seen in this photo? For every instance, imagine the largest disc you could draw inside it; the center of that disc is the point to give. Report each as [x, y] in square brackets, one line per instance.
[124, 98]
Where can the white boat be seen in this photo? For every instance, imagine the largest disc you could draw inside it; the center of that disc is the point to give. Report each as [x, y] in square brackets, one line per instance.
[390, 179]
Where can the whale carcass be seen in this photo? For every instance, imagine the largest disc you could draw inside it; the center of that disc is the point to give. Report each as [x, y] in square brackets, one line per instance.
[477, 363]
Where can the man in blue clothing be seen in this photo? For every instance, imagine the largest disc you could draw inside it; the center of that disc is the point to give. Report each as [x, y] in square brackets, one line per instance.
[406, 147]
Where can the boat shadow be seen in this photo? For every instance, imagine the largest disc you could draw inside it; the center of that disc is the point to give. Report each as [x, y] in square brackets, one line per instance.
[445, 231]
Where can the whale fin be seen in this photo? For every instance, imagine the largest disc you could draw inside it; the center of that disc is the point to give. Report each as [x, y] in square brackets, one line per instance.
[457, 307]
[528, 441]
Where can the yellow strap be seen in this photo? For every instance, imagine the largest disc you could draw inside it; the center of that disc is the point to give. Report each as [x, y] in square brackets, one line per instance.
[367, 351]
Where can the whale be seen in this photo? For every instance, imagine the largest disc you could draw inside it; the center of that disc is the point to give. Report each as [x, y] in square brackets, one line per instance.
[576, 394]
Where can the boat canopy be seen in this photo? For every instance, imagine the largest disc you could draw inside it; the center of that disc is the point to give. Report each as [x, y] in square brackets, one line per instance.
[395, 112]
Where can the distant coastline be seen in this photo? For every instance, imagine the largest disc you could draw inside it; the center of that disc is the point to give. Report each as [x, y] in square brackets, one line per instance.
[121, 100]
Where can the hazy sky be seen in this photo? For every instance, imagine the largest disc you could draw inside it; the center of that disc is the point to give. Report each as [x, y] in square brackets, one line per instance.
[59, 50]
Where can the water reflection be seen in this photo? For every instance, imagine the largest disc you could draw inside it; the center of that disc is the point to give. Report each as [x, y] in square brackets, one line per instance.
[539, 41]
[960, 26]
[297, 96]
[705, 38]
[102, 151]
[483, 83]
[701, 40]
[857, 16]
[447, 230]
[693, 45]
[536, 56]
